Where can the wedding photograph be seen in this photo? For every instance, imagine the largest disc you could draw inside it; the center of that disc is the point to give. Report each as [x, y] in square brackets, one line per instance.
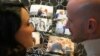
[41, 10]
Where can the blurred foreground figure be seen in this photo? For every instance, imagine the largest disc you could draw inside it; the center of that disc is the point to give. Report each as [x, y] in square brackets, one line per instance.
[15, 29]
[84, 24]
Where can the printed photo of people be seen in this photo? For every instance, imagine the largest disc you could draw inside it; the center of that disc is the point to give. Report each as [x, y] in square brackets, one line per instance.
[61, 20]
[60, 45]
[41, 10]
[41, 24]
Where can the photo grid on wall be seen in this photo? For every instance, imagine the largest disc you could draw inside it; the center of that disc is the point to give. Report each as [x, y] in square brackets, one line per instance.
[40, 14]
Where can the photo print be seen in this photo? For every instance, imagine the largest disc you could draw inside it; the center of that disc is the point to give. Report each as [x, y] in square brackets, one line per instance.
[61, 20]
[41, 24]
[59, 45]
[41, 10]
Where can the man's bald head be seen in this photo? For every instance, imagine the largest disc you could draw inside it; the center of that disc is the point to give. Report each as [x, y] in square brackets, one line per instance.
[85, 8]
[84, 19]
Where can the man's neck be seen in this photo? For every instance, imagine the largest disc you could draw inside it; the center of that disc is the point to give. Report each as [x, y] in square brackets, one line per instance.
[92, 47]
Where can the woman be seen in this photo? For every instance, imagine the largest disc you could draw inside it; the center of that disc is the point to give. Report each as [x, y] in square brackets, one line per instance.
[15, 30]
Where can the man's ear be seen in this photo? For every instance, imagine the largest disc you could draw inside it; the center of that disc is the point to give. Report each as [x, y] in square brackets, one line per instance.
[92, 24]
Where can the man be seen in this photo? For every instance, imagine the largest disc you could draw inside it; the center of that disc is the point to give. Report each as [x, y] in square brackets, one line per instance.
[84, 24]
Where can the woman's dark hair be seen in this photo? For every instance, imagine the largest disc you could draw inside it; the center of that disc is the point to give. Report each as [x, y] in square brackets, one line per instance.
[10, 22]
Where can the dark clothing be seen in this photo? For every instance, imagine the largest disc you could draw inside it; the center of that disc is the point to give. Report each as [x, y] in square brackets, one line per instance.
[39, 13]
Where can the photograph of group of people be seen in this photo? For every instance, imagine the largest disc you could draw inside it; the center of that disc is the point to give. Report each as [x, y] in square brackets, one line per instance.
[60, 45]
[41, 24]
[41, 10]
[61, 19]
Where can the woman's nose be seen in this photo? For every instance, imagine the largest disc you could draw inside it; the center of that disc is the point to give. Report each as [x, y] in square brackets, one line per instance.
[32, 27]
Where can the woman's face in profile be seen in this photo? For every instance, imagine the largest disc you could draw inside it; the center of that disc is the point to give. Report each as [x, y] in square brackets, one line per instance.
[24, 34]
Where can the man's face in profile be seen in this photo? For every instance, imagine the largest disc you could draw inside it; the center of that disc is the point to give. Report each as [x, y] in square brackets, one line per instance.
[75, 22]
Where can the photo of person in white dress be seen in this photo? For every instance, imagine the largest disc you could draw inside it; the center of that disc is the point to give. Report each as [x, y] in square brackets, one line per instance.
[41, 26]
[61, 19]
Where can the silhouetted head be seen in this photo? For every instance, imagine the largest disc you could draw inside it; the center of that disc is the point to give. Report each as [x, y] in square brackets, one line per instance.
[10, 22]
[15, 29]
